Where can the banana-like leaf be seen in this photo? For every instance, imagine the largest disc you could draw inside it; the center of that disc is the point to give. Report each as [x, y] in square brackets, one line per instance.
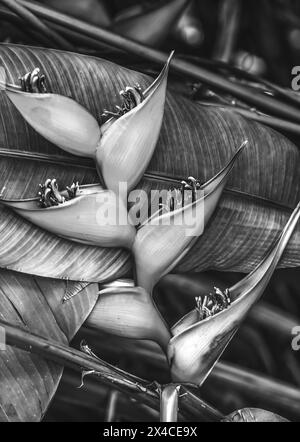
[28, 382]
[195, 141]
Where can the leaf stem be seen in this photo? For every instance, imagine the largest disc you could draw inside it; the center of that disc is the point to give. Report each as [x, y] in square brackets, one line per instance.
[150, 175]
[275, 393]
[273, 320]
[18, 23]
[268, 391]
[229, 23]
[191, 406]
[37, 24]
[180, 66]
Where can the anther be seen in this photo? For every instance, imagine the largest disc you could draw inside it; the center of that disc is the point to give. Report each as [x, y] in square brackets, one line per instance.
[33, 82]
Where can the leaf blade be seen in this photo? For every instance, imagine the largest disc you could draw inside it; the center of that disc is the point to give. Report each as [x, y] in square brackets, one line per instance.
[28, 382]
[194, 141]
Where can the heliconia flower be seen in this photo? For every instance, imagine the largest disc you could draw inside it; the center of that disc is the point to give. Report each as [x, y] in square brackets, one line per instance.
[129, 312]
[122, 147]
[128, 142]
[200, 338]
[169, 396]
[254, 415]
[88, 215]
[165, 239]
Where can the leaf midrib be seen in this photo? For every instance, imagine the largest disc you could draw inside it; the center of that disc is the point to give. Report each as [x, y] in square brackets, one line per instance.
[150, 175]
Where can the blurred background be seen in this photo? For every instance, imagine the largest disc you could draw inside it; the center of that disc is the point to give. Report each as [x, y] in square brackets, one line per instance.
[239, 38]
[261, 37]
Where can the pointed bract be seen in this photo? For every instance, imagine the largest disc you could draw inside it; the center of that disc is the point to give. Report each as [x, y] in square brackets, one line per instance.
[131, 313]
[60, 120]
[128, 143]
[95, 218]
[161, 243]
[197, 345]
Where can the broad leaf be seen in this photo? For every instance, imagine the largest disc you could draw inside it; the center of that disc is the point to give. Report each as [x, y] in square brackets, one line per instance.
[28, 382]
[194, 141]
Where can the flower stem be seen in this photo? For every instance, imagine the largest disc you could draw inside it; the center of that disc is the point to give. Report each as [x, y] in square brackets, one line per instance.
[36, 23]
[229, 23]
[180, 66]
[191, 405]
[273, 393]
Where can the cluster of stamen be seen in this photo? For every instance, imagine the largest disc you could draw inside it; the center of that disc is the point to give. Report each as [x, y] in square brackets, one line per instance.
[33, 82]
[132, 97]
[213, 303]
[50, 196]
[187, 193]
[191, 185]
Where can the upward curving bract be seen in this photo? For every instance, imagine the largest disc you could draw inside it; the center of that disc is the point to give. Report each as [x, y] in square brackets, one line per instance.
[194, 141]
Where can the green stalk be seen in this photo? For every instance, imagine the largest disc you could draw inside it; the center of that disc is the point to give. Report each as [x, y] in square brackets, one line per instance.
[180, 66]
[273, 320]
[37, 24]
[191, 405]
[229, 24]
[72, 36]
[274, 393]
[269, 392]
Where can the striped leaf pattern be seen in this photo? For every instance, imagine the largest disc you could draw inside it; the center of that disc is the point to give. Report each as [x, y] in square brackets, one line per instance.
[197, 141]
[28, 382]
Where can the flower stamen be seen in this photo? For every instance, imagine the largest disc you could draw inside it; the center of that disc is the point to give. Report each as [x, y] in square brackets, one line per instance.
[213, 303]
[193, 185]
[132, 97]
[180, 197]
[50, 196]
[33, 82]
